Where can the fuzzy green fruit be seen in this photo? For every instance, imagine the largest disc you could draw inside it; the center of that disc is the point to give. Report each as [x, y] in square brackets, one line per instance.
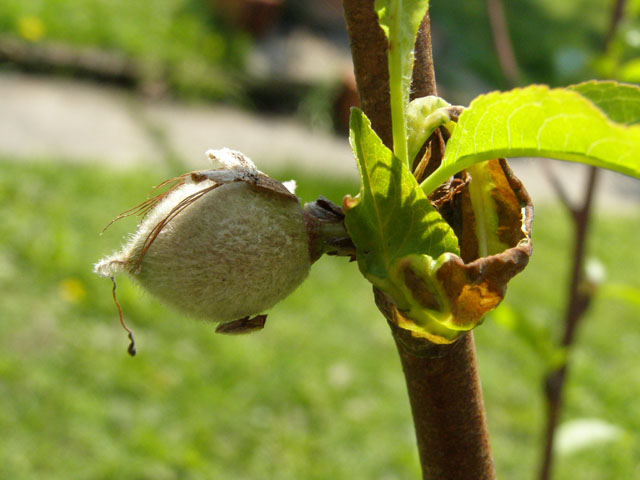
[220, 249]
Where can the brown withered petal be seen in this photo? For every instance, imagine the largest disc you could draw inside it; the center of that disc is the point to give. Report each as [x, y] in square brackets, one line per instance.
[264, 182]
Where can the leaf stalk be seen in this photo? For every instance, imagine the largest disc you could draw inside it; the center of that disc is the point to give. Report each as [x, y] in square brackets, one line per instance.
[398, 105]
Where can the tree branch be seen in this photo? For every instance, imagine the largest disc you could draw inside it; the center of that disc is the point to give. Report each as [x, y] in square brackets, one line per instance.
[369, 53]
[558, 187]
[579, 300]
[444, 389]
[617, 14]
[448, 412]
[423, 83]
[576, 306]
[502, 42]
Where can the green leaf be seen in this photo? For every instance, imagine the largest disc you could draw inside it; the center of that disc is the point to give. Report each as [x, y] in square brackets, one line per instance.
[400, 239]
[540, 122]
[400, 20]
[407, 250]
[620, 102]
[391, 217]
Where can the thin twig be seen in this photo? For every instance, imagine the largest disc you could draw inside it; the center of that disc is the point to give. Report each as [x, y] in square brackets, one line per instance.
[617, 14]
[502, 42]
[558, 187]
[576, 307]
[578, 301]
[424, 83]
[424, 78]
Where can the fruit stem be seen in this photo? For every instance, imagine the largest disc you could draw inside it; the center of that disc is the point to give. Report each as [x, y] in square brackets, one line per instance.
[327, 232]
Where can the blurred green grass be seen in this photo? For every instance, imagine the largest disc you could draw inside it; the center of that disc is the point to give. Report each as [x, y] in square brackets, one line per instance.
[182, 44]
[318, 394]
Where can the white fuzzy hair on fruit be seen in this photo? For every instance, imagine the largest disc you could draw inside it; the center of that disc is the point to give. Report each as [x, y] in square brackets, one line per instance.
[234, 252]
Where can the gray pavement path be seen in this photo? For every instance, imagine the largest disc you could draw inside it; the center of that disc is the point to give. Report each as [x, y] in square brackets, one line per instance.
[43, 117]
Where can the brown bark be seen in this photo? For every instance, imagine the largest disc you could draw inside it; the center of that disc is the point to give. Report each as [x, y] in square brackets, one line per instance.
[448, 413]
[424, 83]
[424, 79]
[369, 52]
[442, 380]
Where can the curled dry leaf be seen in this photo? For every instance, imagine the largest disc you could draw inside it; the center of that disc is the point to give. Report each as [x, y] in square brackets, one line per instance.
[467, 286]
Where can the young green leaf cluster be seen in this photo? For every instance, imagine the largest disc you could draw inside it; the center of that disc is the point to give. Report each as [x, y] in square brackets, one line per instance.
[432, 269]
[444, 265]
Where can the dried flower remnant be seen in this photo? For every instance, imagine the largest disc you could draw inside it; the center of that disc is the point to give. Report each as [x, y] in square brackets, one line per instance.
[223, 244]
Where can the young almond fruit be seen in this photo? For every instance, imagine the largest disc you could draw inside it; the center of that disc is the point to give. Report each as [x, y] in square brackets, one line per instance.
[225, 244]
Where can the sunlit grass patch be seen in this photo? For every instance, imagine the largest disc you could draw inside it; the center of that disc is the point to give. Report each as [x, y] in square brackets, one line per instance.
[318, 394]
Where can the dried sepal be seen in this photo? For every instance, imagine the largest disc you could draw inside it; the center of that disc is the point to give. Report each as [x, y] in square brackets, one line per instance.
[242, 326]
[158, 227]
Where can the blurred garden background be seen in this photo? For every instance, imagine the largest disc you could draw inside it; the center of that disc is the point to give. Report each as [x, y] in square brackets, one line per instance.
[101, 100]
